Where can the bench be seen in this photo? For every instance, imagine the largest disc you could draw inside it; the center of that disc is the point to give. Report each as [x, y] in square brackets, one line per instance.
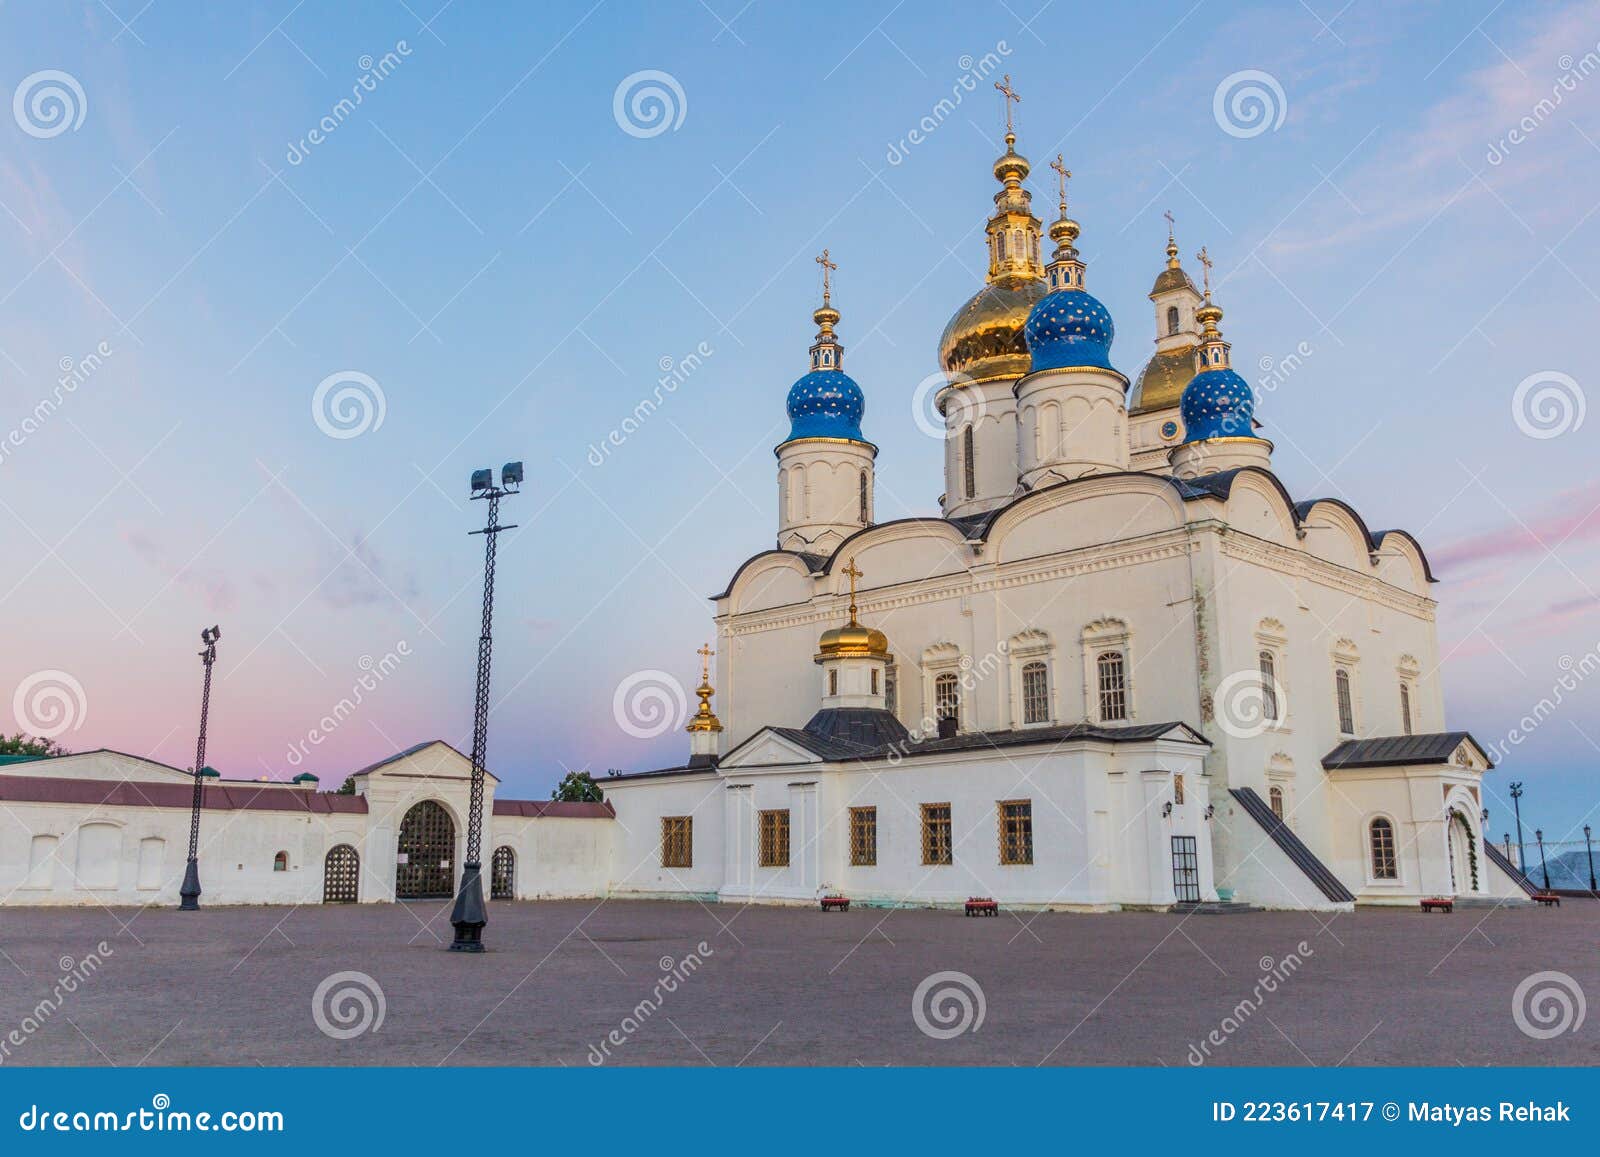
[982, 906]
[836, 903]
[1548, 899]
[1442, 903]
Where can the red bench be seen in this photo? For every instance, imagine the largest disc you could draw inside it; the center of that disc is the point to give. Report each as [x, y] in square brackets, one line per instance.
[1442, 903]
[836, 903]
[1548, 899]
[982, 906]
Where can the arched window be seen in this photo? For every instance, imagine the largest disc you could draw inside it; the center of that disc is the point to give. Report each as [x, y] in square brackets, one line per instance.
[874, 680]
[1347, 711]
[891, 691]
[947, 698]
[503, 874]
[862, 496]
[1172, 319]
[969, 464]
[280, 862]
[1177, 789]
[1405, 707]
[1113, 686]
[1384, 866]
[1275, 798]
[1000, 239]
[833, 681]
[1269, 686]
[1035, 692]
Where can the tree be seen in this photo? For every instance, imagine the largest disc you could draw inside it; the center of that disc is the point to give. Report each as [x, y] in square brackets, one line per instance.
[578, 787]
[24, 744]
[348, 787]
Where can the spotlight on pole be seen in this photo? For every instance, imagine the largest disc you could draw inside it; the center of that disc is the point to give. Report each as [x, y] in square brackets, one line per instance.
[190, 891]
[469, 915]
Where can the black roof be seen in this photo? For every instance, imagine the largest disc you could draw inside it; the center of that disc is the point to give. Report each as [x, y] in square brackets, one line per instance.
[1399, 750]
[835, 749]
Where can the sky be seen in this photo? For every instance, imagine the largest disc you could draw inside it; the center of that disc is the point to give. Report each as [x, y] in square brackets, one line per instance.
[275, 278]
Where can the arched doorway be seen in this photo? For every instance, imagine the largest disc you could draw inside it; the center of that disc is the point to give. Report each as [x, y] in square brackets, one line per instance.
[1461, 849]
[503, 874]
[341, 875]
[426, 867]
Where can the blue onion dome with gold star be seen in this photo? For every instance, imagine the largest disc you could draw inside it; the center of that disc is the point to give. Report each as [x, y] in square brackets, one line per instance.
[826, 403]
[1217, 402]
[1068, 327]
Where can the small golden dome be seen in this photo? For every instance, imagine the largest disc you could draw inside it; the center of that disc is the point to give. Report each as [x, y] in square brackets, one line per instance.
[1064, 229]
[1011, 164]
[852, 639]
[984, 339]
[1173, 277]
[1160, 384]
[1209, 313]
[825, 315]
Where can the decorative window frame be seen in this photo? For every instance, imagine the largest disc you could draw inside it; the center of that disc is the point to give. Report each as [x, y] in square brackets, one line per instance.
[944, 659]
[1031, 646]
[1408, 672]
[1374, 880]
[1345, 655]
[1108, 633]
[1272, 636]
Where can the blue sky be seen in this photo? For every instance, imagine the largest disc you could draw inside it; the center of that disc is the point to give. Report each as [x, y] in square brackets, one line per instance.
[482, 239]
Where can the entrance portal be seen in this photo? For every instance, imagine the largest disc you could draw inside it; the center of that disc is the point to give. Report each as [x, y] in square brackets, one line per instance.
[426, 867]
[1186, 869]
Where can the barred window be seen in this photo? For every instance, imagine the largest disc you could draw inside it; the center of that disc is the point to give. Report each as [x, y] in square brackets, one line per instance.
[1035, 693]
[775, 839]
[1405, 707]
[1275, 798]
[1383, 861]
[969, 463]
[677, 841]
[947, 698]
[1269, 686]
[1113, 687]
[1347, 711]
[863, 837]
[1177, 788]
[937, 846]
[1016, 831]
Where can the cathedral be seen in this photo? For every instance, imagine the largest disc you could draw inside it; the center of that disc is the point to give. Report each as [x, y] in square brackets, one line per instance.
[1122, 666]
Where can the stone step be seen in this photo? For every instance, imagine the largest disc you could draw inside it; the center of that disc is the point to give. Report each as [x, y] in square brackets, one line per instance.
[1212, 908]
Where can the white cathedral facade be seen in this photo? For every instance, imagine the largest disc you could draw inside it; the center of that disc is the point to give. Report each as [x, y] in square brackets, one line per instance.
[1122, 667]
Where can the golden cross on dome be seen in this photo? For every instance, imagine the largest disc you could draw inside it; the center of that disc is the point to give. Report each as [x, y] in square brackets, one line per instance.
[852, 572]
[1064, 175]
[1011, 97]
[705, 652]
[1170, 223]
[827, 268]
[1206, 261]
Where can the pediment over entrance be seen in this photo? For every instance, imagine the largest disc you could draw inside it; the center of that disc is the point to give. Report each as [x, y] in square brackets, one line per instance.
[433, 759]
[767, 748]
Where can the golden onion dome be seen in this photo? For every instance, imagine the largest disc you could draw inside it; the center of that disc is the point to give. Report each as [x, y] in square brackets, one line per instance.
[984, 339]
[1209, 313]
[1011, 164]
[852, 639]
[1160, 384]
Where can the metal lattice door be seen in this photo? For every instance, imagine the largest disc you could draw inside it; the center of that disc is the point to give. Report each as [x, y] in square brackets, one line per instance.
[1186, 869]
[503, 874]
[426, 867]
[341, 875]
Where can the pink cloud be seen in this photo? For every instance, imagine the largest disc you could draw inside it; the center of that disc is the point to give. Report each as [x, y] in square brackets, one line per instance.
[1573, 517]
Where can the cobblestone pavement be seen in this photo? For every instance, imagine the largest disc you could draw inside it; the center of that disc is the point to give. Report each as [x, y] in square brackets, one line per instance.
[637, 982]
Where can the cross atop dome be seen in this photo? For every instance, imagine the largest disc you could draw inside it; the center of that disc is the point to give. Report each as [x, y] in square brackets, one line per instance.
[1063, 175]
[827, 268]
[1011, 97]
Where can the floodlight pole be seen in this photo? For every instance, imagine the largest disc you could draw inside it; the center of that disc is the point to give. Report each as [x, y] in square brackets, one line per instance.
[1589, 847]
[1516, 802]
[1543, 866]
[190, 892]
[469, 915]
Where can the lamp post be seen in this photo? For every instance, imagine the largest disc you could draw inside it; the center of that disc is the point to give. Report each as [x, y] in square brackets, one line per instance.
[1538, 834]
[469, 915]
[190, 892]
[1588, 847]
[1516, 802]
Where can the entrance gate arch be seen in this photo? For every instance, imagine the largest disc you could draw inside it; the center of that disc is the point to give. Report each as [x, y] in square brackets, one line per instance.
[426, 867]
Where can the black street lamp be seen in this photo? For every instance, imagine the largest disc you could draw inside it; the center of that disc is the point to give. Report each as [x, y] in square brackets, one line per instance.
[469, 915]
[1516, 801]
[1588, 847]
[190, 892]
[1539, 835]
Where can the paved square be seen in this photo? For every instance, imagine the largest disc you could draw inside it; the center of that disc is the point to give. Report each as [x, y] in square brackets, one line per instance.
[235, 986]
